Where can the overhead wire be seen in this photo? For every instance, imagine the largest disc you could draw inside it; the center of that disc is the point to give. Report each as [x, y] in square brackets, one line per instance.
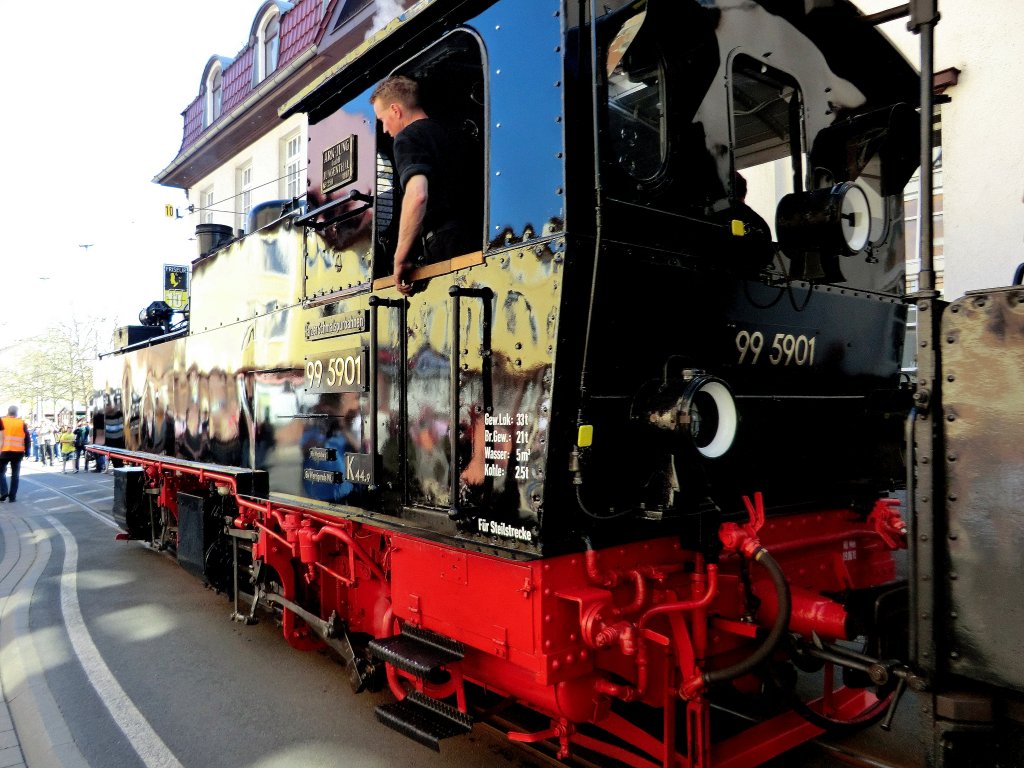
[196, 209]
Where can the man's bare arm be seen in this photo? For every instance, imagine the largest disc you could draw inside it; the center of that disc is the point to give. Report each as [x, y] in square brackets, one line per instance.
[414, 207]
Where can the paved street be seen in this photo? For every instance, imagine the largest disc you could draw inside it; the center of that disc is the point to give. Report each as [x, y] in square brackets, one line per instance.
[111, 655]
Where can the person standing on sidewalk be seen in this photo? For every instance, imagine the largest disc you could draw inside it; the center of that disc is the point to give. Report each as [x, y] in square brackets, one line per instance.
[66, 441]
[81, 440]
[15, 442]
[46, 441]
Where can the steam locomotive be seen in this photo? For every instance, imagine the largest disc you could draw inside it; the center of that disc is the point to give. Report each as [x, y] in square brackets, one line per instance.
[639, 463]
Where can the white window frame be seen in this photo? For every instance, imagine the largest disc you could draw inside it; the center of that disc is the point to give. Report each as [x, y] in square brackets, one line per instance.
[261, 68]
[245, 187]
[214, 102]
[206, 202]
[292, 162]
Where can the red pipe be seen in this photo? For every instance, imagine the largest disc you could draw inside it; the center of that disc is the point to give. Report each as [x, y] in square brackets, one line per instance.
[699, 629]
[635, 693]
[338, 533]
[686, 605]
[202, 474]
[639, 598]
[594, 574]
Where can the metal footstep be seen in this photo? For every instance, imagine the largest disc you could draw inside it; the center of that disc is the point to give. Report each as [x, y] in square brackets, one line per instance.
[424, 719]
[419, 652]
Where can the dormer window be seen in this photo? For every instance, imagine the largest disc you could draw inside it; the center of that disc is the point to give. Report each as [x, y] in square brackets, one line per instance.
[214, 95]
[268, 46]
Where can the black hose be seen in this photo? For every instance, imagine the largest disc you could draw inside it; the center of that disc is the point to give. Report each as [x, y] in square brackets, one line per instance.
[1018, 275]
[777, 632]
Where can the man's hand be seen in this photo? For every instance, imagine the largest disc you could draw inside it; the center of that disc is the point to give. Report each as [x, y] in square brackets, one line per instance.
[414, 208]
[402, 282]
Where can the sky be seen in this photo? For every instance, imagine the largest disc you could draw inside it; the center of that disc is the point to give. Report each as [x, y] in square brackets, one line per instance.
[93, 104]
[93, 96]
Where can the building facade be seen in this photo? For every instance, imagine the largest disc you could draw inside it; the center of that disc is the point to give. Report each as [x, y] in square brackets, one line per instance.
[236, 152]
[979, 170]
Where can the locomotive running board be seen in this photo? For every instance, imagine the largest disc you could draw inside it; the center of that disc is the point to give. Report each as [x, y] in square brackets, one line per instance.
[419, 652]
[425, 719]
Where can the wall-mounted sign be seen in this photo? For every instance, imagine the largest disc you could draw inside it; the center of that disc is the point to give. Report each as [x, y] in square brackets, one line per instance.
[359, 468]
[339, 165]
[322, 476]
[322, 454]
[337, 325]
[176, 285]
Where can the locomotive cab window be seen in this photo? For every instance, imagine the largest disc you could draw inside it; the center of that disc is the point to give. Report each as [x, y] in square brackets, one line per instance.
[449, 78]
[636, 99]
[767, 138]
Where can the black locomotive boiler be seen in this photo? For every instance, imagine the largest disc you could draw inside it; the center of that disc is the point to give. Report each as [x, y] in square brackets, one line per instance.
[632, 463]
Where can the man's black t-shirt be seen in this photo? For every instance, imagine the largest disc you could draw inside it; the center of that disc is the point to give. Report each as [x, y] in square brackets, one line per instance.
[425, 147]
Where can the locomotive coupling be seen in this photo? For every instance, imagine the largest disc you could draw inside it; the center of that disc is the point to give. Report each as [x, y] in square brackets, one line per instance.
[743, 538]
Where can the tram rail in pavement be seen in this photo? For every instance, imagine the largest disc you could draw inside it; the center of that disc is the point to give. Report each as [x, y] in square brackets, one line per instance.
[33, 732]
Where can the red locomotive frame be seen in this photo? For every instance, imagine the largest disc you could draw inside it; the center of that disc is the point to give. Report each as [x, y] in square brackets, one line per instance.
[567, 636]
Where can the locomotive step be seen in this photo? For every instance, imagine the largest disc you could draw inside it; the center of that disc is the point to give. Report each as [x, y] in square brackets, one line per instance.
[419, 652]
[425, 719]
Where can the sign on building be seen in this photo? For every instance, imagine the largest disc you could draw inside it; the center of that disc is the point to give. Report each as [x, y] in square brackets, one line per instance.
[176, 285]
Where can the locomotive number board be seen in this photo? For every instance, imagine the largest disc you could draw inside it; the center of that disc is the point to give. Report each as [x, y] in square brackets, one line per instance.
[342, 371]
[784, 349]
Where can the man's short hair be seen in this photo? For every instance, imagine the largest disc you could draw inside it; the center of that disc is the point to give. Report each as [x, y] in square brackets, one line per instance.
[398, 89]
[739, 186]
[12, 411]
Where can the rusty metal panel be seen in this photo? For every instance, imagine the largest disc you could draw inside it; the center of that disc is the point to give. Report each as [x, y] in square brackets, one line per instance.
[982, 343]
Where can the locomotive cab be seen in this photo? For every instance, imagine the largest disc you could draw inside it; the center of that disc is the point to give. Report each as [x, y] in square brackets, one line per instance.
[450, 76]
[766, 292]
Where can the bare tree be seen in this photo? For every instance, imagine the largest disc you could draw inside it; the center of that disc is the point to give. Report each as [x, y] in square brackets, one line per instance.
[55, 366]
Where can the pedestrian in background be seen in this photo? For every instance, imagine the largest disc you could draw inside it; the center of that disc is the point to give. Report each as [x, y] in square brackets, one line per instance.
[34, 433]
[15, 442]
[46, 441]
[81, 440]
[66, 441]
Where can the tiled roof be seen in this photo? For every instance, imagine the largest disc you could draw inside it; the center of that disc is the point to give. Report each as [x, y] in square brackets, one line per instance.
[238, 79]
[193, 115]
[299, 28]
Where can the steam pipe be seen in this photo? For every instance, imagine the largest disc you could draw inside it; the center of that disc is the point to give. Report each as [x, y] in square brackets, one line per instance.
[687, 605]
[639, 597]
[694, 687]
[353, 545]
[926, 276]
[594, 574]
[595, 92]
[637, 692]
[777, 632]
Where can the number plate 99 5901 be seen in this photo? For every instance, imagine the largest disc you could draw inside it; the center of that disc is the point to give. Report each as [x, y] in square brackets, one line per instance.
[342, 371]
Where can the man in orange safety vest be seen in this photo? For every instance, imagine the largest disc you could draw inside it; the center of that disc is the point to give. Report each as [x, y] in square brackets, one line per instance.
[16, 442]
